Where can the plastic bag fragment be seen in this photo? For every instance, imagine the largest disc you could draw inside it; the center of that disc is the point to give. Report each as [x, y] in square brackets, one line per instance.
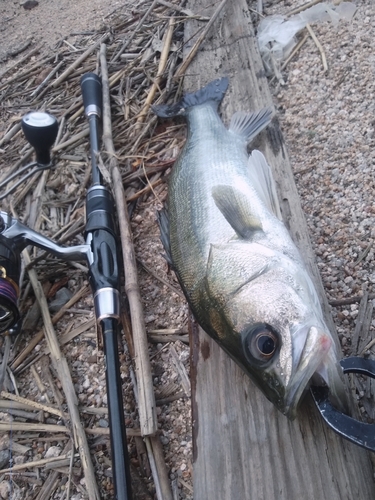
[276, 35]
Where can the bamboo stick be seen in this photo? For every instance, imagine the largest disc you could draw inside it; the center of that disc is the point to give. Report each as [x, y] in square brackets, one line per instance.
[27, 427]
[146, 402]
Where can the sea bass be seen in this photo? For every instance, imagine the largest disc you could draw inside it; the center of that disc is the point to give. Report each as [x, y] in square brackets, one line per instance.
[242, 275]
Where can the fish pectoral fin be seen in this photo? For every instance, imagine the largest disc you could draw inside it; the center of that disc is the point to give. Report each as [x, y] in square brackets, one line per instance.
[249, 125]
[235, 208]
[262, 179]
[163, 220]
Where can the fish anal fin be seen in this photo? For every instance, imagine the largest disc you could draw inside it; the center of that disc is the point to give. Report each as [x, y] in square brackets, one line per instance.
[163, 220]
[235, 208]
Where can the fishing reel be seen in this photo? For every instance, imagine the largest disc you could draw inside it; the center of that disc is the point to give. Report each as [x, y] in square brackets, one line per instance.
[40, 130]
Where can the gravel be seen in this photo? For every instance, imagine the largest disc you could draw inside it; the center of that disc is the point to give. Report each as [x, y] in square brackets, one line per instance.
[328, 123]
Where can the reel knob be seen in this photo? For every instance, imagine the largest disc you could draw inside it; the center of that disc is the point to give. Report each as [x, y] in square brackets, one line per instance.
[40, 130]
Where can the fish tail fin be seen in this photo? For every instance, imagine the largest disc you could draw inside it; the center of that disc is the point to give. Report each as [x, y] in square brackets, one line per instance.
[249, 125]
[214, 92]
[263, 181]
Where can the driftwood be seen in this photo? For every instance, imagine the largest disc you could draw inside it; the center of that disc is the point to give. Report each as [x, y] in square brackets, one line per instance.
[243, 447]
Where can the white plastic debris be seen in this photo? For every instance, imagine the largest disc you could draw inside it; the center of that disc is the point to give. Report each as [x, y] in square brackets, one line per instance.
[276, 35]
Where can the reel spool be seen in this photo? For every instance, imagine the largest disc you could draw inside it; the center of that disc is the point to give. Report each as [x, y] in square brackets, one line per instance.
[9, 313]
[10, 267]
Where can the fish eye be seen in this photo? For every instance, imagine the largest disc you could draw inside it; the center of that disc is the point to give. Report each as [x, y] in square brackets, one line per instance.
[261, 343]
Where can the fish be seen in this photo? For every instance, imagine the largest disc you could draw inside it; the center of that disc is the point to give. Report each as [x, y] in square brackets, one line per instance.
[242, 274]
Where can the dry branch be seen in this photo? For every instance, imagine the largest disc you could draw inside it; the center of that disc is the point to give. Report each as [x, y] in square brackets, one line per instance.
[319, 45]
[35, 463]
[146, 400]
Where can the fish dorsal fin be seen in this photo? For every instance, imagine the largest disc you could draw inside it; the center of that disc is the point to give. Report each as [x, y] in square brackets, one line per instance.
[249, 125]
[235, 207]
[263, 181]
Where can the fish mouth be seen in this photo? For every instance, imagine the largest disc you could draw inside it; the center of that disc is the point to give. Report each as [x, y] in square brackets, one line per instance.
[318, 364]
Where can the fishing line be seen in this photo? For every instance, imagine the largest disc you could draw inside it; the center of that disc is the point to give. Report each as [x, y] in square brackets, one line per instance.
[11, 452]
[4, 366]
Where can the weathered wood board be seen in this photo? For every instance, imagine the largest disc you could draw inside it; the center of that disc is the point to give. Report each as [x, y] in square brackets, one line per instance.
[243, 447]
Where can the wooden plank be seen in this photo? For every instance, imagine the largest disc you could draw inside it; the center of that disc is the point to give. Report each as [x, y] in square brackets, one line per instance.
[243, 447]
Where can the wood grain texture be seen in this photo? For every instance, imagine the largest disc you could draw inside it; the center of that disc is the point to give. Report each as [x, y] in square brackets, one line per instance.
[243, 447]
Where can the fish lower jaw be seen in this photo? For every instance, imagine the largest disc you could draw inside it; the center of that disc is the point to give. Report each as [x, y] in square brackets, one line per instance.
[310, 370]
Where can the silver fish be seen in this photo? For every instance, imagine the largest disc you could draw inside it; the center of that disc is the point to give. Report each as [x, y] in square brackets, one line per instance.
[242, 275]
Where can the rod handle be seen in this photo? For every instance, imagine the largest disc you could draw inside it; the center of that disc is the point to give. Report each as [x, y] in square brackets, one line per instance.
[91, 87]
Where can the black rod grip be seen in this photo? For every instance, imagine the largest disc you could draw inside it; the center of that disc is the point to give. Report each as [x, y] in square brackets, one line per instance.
[91, 87]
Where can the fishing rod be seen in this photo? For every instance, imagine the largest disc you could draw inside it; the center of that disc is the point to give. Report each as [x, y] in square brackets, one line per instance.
[101, 235]
[99, 251]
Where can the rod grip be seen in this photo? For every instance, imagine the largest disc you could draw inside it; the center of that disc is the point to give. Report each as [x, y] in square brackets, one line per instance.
[91, 87]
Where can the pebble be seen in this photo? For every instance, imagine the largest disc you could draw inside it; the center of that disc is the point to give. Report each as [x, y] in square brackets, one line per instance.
[164, 440]
[5, 489]
[53, 451]
[4, 458]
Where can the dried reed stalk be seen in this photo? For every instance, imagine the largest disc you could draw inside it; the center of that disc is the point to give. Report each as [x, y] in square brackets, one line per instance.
[39, 336]
[78, 61]
[146, 401]
[35, 463]
[167, 40]
[30, 404]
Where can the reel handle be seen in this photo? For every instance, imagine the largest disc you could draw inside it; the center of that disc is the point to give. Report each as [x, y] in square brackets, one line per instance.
[91, 87]
[40, 130]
